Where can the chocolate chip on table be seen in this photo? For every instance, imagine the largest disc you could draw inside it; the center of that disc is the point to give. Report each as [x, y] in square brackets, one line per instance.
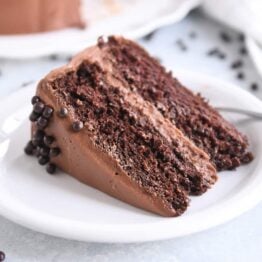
[48, 111]
[54, 152]
[42, 122]
[241, 37]
[254, 86]
[180, 43]
[33, 116]
[225, 37]
[213, 51]
[51, 168]
[192, 35]
[48, 140]
[63, 112]
[237, 64]
[38, 107]
[53, 57]
[77, 126]
[29, 148]
[2, 256]
[149, 36]
[240, 75]
[42, 160]
[35, 99]
[243, 51]
[221, 56]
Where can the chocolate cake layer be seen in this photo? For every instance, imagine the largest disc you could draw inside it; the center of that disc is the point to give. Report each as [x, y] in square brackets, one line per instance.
[111, 138]
[190, 113]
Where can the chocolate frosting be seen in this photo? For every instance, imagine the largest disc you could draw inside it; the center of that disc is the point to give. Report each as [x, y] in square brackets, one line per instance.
[32, 16]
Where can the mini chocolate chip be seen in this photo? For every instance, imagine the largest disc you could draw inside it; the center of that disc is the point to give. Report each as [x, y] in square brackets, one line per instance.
[35, 99]
[63, 112]
[53, 57]
[54, 152]
[37, 151]
[33, 116]
[254, 86]
[243, 51]
[42, 160]
[241, 37]
[225, 37]
[237, 64]
[240, 75]
[42, 122]
[48, 111]
[37, 139]
[100, 41]
[77, 126]
[36, 142]
[221, 56]
[51, 168]
[192, 35]
[38, 107]
[44, 151]
[48, 140]
[29, 148]
[39, 134]
[149, 36]
[2, 256]
[213, 51]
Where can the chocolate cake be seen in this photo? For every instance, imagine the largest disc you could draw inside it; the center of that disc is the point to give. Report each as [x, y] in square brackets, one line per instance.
[115, 120]
[32, 16]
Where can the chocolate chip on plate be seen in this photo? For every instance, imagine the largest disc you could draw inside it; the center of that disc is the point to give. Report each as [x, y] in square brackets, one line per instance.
[42, 160]
[51, 168]
[29, 148]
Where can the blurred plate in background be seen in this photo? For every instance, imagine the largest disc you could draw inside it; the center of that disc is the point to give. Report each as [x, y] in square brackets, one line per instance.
[131, 18]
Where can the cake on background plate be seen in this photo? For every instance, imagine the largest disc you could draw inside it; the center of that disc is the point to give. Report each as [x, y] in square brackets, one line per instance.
[32, 16]
[116, 120]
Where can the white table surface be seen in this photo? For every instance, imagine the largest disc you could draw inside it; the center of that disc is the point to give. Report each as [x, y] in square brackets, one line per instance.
[239, 240]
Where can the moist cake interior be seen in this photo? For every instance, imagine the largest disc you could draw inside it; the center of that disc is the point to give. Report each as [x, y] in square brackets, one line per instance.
[126, 134]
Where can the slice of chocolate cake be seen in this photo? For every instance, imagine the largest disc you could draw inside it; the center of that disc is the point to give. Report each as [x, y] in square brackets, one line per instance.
[93, 122]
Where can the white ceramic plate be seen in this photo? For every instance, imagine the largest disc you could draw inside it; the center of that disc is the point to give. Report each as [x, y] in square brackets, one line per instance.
[131, 18]
[61, 206]
[255, 51]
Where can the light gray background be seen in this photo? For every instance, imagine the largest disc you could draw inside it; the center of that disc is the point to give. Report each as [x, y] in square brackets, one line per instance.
[239, 240]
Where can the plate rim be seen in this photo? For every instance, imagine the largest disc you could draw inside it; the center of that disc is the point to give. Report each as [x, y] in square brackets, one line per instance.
[139, 232]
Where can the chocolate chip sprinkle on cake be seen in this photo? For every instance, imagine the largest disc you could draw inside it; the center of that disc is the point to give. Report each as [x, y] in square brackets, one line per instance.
[115, 120]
